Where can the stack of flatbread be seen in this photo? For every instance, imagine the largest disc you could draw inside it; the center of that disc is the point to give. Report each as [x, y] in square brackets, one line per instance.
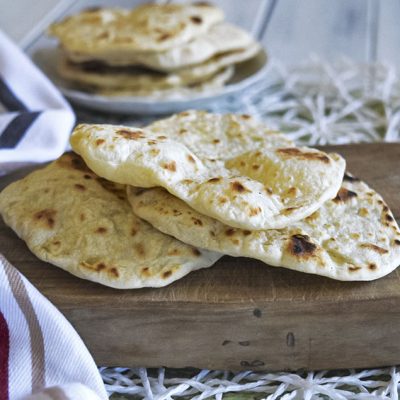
[153, 49]
[143, 207]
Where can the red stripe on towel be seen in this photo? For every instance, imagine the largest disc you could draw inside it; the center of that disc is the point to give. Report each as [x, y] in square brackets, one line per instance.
[4, 356]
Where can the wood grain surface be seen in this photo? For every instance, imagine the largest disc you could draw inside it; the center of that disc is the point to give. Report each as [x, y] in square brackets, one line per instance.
[240, 314]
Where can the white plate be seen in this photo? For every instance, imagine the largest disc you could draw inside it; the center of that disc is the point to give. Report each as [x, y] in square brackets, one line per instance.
[246, 74]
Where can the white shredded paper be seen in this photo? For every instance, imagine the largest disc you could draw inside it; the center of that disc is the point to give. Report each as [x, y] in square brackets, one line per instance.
[315, 103]
[347, 385]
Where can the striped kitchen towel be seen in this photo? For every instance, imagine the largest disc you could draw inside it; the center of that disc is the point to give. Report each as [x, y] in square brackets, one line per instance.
[41, 355]
[35, 120]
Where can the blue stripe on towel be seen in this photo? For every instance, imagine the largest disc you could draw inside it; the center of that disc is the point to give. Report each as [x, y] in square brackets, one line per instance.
[9, 99]
[16, 129]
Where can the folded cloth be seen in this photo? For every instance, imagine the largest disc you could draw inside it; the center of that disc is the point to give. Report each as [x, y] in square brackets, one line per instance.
[72, 391]
[35, 120]
[41, 355]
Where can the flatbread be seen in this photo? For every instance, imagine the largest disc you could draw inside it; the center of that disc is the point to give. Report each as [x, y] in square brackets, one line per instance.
[221, 38]
[209, 86]
[215, 64]
[148, 27]
[83, 224]
[228, 167]
[352, 237]
[131, 78]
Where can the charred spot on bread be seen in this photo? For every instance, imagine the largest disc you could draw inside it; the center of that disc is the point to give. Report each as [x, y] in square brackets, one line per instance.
[301, 246]
[47, 216]
[374, 247]
[304, 155]
[131, 135]
[350, 178]
[239, 187]
[343, 195]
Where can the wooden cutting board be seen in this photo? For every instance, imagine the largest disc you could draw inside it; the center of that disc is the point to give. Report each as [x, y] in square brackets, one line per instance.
[240, 314]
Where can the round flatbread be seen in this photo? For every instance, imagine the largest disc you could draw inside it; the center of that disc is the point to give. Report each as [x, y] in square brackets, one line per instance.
[82, 223]
[148, 27]
[136, 79]
[352, 237]
[220, 39]
[211, 85]
[229, 167]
